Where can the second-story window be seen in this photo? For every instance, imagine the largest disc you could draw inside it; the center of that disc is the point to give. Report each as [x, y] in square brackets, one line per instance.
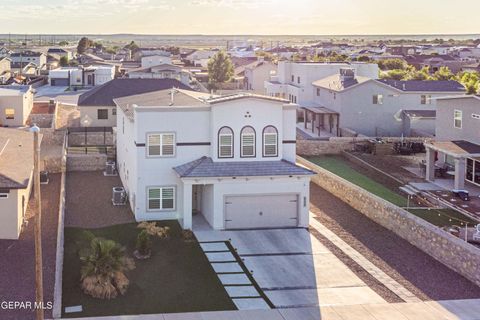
[457, 119]
[425, 99]
[247, 142]
[377, 99]
[270, 141]
[161, 144]
[225, 143]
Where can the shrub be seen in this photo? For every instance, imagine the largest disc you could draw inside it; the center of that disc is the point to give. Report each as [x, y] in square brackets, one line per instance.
[152, 229]
[144, 243]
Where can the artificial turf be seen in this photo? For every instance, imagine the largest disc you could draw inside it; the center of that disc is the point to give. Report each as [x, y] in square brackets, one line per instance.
[443, 217]
[177, 277]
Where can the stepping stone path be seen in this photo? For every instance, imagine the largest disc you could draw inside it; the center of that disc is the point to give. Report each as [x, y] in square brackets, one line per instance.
[237, 283]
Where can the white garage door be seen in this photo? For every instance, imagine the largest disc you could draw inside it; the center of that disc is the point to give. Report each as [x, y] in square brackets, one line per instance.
[261, 211]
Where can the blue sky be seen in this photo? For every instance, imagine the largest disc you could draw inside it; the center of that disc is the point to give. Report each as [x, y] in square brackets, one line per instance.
[240, 16]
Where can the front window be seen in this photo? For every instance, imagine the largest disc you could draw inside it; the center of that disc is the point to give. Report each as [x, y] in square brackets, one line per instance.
[457, 119]
[102, 114]
[225, 143]
[378, 99]
[114, 111]
[161, 198]
[161, 144]
[247, 142]
[9, 114]
[270, 142]
[425, 99]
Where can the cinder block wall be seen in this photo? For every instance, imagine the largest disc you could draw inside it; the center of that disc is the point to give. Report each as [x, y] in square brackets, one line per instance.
[449, 250]
[86, 162]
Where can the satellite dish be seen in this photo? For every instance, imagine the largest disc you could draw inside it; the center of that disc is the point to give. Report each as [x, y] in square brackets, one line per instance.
[86, 121]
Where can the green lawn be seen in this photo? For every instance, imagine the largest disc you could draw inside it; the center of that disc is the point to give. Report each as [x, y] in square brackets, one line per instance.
[339, 166]
[443, 217]
[177, 278]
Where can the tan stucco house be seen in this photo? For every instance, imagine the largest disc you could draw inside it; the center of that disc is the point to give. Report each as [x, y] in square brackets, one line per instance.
[16, 103]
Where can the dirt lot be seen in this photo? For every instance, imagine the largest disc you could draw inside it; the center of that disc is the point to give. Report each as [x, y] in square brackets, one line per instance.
[417, 271]
[17, 265]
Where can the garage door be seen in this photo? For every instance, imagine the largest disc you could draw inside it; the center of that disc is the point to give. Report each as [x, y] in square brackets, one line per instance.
[261, 211]
[59, 82]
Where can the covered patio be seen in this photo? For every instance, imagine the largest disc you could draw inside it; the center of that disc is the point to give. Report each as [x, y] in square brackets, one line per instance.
[319, 122]
[465, 167]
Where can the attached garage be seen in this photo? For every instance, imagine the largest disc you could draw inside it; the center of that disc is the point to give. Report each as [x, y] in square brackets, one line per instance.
[59, 82]
[261, 211]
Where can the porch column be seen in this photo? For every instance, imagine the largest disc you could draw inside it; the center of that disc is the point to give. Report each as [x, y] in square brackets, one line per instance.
[305, 115]
[459, 183]
[430, 165]
[187, 205]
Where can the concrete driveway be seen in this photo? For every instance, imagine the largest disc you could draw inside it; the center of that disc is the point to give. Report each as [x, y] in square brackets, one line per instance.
[294, 269]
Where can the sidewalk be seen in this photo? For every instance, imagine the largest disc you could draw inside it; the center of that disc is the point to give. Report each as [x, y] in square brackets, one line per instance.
[431, 310]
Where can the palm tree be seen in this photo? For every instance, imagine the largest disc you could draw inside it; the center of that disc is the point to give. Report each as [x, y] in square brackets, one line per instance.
[104, 265]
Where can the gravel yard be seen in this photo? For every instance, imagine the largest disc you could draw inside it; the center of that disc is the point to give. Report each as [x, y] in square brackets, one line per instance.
[17, 265]
[427, 278]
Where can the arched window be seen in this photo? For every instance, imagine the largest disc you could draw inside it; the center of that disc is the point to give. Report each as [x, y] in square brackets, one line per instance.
[247, 142]
[270, 141]
[225, 142]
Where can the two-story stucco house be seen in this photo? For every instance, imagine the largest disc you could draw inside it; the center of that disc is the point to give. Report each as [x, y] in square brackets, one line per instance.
[376, 107]
[229, 159]
[16, 171]
[16, 103]
[457, 141]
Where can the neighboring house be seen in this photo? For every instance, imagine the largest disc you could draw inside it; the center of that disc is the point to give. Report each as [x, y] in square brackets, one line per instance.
[16, 172]
[97, 104]
[200, 58]
[230, 159]
[155, 60]
[16, 103]
[60, 53]
[374, 107]
[293, 80]
[242, 52]
[81, 76]
[457, 142]
[256, 74]
[37, 58]
[435, 62]
[5, 70]
[5, 52]
[162, 71]
[144, 52]
[24, 69]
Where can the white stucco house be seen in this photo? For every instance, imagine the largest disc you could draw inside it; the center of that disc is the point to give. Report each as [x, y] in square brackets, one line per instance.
[81, 76]
[16, 171]
[16, 103]
[200, 58]
[229, 159]
[155, 60]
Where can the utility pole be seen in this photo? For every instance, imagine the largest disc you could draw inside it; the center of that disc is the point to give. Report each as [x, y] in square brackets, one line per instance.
[38, 225]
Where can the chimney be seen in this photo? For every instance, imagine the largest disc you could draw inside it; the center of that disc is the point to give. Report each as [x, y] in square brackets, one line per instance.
[347, 74]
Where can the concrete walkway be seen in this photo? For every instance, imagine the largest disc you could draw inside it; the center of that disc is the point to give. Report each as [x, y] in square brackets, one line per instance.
[432, 310]
[373, 270]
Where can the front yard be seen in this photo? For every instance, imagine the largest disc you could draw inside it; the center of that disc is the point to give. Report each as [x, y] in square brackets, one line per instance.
[177, 277]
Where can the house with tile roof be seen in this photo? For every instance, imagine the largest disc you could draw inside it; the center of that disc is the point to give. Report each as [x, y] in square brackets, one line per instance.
[97, 108]
[228, 161]
[373, 107]
[16, 171]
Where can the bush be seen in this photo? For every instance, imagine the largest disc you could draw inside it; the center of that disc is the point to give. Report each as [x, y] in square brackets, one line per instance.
[188, 235]
[144, 243]
[152, 229]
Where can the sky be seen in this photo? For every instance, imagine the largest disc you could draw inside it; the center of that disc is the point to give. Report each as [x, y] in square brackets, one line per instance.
[269, 17]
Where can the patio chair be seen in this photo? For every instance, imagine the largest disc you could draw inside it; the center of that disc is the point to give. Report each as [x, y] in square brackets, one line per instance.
[476, 235]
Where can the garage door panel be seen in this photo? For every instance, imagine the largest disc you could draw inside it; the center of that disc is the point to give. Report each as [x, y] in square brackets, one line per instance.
[261, 211]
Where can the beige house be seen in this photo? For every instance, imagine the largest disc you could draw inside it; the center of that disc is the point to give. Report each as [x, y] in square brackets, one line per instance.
[5, 67]
[16, 172]
[16, 103]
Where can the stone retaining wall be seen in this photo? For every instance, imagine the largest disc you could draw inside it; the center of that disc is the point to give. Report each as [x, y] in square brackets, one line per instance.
[86, 162]
[453, 252]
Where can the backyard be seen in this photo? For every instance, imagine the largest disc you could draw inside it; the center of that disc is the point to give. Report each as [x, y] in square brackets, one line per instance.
[176, 278]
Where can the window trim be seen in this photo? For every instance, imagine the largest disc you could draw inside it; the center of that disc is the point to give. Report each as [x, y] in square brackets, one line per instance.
[173, 187]
[254, 142]
[7, 117]
[161, 155]
[218, 143]
[455, 118]
[263, 142]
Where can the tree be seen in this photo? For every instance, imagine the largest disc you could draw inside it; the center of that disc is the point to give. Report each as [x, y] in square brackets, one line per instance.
[104, 264]
[83, 45]
[422, 74]
[470, 80]
[64, 61]
[63, 43]
[396, 74]
[443, 73]
[392, 64]
[132, 46]
[220, 69]
[363, 59]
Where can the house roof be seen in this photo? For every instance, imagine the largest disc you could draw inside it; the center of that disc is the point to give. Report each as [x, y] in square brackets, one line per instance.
[424, 86]
[57, 50]
[334, 82]
[205, 167]
[160, 67]
[13, 90]
[26, 54]
[242, 95]
[420, 113]
[16, 158]
[105, 94]
[457, 148]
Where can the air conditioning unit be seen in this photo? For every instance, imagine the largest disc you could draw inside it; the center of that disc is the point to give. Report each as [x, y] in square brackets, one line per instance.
[119, 196]
[110, 168]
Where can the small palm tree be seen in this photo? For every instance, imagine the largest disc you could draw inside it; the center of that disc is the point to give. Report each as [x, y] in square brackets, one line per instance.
[104, 265]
